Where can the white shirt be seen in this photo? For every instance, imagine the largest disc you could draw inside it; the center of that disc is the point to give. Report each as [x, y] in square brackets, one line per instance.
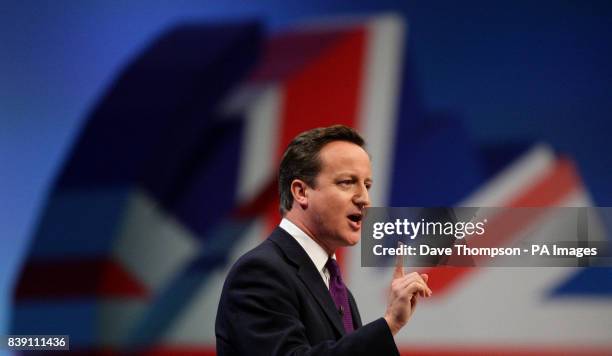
[316, 253]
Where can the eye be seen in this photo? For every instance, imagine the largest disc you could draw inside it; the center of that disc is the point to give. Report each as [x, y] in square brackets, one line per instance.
[346, 182]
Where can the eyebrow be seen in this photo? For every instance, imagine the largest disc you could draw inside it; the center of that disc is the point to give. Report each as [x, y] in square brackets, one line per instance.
[353, 176]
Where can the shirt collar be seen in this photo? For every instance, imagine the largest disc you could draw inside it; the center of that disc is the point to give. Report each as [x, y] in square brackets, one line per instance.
[316, 253]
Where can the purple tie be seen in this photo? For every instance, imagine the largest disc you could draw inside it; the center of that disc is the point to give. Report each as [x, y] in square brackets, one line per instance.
[339, 294]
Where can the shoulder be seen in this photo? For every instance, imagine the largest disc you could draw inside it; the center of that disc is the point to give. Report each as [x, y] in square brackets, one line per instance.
[264, 262]
[267, 253]
[262, 279]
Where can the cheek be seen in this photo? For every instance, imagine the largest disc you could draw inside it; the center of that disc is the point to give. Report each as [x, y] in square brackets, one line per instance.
[334, 206]
[331, 209]
[329, 213]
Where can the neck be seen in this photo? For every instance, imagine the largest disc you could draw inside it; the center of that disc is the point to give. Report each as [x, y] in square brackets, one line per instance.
[296, 219]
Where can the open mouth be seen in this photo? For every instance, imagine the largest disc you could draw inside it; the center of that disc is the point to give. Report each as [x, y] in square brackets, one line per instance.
[355, 220]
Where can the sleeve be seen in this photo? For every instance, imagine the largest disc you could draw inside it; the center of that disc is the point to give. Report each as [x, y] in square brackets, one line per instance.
[259, 312]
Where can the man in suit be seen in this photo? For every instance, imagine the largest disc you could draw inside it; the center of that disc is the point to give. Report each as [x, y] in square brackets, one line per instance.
[286, 296]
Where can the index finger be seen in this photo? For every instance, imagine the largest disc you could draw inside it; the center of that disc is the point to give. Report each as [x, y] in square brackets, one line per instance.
[399, 263]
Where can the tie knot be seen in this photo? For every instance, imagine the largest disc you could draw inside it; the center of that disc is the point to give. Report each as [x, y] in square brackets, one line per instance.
[332, 267]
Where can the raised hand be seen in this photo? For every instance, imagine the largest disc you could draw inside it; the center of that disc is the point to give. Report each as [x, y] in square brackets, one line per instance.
[403, 295]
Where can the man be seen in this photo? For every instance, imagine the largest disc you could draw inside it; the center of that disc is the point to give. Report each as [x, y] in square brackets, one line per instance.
[286, 296]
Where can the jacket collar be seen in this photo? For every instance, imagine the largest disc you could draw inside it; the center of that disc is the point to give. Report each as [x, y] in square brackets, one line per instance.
[308, 273]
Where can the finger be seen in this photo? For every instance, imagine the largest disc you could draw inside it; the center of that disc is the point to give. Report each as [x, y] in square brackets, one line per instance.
[418, 287]
[400, 286]
[426, 279]
[424, 290]
[402, 283]
[412, 286]
[399, 264]
[419, 277]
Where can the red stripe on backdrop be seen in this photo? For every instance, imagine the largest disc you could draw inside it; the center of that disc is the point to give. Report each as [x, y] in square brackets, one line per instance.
[325, 92]
[553, 188]
[267, 198]
[550, 190]
[180, 351]
[495, 350]
[77, 278]
[288, 53]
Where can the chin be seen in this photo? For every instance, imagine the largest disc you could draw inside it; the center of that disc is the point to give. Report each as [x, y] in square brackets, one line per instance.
[352, 240]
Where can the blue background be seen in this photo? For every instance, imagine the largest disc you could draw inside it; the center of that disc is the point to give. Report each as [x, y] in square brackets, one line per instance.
[513, 71]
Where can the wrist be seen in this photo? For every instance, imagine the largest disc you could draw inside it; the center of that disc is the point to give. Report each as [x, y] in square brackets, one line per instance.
[392, 326]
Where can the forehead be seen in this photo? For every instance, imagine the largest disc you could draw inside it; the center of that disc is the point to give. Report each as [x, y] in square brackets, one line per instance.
[345, 157]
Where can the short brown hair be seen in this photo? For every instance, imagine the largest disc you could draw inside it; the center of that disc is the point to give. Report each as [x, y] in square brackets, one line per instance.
[301, 158]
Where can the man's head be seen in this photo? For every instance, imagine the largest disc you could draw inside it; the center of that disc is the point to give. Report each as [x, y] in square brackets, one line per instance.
[324, 179]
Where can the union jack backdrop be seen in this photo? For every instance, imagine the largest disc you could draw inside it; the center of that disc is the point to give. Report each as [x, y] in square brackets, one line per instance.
[173, 177]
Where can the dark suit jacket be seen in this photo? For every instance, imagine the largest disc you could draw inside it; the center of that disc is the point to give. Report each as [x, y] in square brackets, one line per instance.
[274, 302]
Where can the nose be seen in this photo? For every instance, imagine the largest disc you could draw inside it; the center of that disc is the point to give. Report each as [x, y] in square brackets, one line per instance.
[362, 196]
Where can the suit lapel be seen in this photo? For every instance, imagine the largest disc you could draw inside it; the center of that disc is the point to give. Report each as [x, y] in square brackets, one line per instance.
[354, 311]
[308, 273]
[316, 286]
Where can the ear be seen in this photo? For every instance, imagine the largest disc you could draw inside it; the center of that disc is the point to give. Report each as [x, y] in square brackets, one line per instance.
[299, 190]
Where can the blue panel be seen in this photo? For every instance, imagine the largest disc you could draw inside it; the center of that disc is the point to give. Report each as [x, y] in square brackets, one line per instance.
[145, 130]
[80, 223]
[411, 104]
[77, 318]
[434, 165]
[497, 157]
[208, 193]
[589, 282]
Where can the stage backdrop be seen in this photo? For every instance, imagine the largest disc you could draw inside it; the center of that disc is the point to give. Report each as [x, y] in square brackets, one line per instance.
[173, 176]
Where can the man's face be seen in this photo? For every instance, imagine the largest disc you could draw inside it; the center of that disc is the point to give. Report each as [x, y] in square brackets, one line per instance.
[335, 204]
